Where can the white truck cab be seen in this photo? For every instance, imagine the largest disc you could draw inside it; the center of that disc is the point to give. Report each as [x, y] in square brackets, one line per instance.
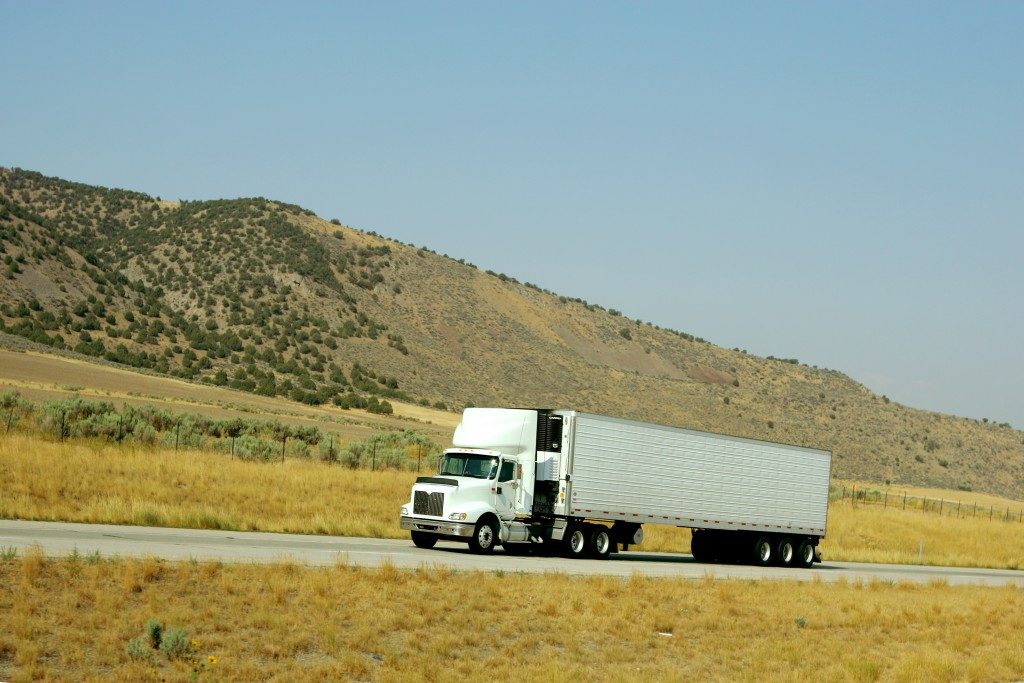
[479, 489]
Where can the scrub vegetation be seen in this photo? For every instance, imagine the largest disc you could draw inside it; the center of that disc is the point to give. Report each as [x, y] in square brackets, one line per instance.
[247, 439]
[266, 298]
[147, 619]
[93, 480]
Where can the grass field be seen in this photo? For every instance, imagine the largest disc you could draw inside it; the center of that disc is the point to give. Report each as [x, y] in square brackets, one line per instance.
[94, 481]
[74, 619]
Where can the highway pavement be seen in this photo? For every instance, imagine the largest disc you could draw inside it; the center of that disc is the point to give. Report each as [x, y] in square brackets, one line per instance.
[62, 538]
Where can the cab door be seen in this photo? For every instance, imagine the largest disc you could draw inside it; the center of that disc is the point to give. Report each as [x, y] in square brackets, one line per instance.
[507, 489]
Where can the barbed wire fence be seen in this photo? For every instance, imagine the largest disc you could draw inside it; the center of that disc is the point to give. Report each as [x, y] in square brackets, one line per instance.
[940, 506]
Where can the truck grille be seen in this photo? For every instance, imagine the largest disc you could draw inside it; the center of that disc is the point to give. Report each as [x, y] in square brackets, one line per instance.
[424, 503]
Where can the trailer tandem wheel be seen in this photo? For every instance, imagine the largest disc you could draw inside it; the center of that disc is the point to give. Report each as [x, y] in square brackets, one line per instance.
[785, 551]
[763, 551]
[805, 554]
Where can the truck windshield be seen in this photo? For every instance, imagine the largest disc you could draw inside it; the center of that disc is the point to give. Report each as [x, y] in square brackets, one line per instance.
[467, 465]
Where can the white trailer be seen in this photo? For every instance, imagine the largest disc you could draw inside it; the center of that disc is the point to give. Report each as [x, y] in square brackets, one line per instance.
[585, 484]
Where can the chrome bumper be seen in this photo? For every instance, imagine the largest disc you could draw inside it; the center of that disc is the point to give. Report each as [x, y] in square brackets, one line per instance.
[437, 526]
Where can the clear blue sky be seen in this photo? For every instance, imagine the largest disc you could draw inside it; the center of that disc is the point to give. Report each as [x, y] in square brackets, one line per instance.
[840, 183]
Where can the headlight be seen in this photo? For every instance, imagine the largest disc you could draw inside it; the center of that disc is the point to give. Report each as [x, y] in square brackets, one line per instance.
[405, 511]
[457, 516]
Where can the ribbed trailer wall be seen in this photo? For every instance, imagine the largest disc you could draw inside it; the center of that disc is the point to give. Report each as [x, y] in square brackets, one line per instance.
[647, 473]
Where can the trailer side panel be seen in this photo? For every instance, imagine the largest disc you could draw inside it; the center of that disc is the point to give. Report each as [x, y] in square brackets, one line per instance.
[640, 472]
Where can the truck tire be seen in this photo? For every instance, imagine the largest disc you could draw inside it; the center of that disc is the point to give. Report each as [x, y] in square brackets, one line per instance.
[484, 538]
[574, 543]
[804, 554]
[424, 540]
[763, 551]
[599, 542]
[785, 551]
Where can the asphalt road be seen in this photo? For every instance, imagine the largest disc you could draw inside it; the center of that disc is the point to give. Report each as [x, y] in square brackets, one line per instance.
[60, 538]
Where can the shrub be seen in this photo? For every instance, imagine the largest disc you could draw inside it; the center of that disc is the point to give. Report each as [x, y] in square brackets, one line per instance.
[174, 643]
[625, 333]
[327, 452]
[298, 449]
[379, 407]
[154, 633]
[257, 449]
[137, 649]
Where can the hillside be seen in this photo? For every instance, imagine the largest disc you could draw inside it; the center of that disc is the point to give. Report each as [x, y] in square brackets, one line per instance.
[266, 297]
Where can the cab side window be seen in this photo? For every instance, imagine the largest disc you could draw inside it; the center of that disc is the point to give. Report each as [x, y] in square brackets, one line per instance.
[508, 471]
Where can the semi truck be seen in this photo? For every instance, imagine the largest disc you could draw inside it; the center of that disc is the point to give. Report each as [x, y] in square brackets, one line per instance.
[584, 485]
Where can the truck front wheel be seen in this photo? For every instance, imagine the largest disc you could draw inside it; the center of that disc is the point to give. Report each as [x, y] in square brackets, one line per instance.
[484, 537]
[423, 540]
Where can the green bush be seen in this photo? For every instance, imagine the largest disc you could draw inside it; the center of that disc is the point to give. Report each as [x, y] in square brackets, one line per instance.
[154, 633]
[174, 643]
[137, 649]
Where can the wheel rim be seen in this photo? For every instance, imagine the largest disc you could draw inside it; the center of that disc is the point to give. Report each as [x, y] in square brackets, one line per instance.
[764, 551]
[787, 553]
[601, 542]
[485, 537]
[808, 554]
[577, 541]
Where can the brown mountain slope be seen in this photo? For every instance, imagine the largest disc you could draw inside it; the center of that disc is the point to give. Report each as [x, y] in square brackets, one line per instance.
[266, 297]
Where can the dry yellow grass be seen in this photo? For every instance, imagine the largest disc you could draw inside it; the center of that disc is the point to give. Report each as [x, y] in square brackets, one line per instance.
[83, 481]
[86, 481]
[73, 618]
[870, 533]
